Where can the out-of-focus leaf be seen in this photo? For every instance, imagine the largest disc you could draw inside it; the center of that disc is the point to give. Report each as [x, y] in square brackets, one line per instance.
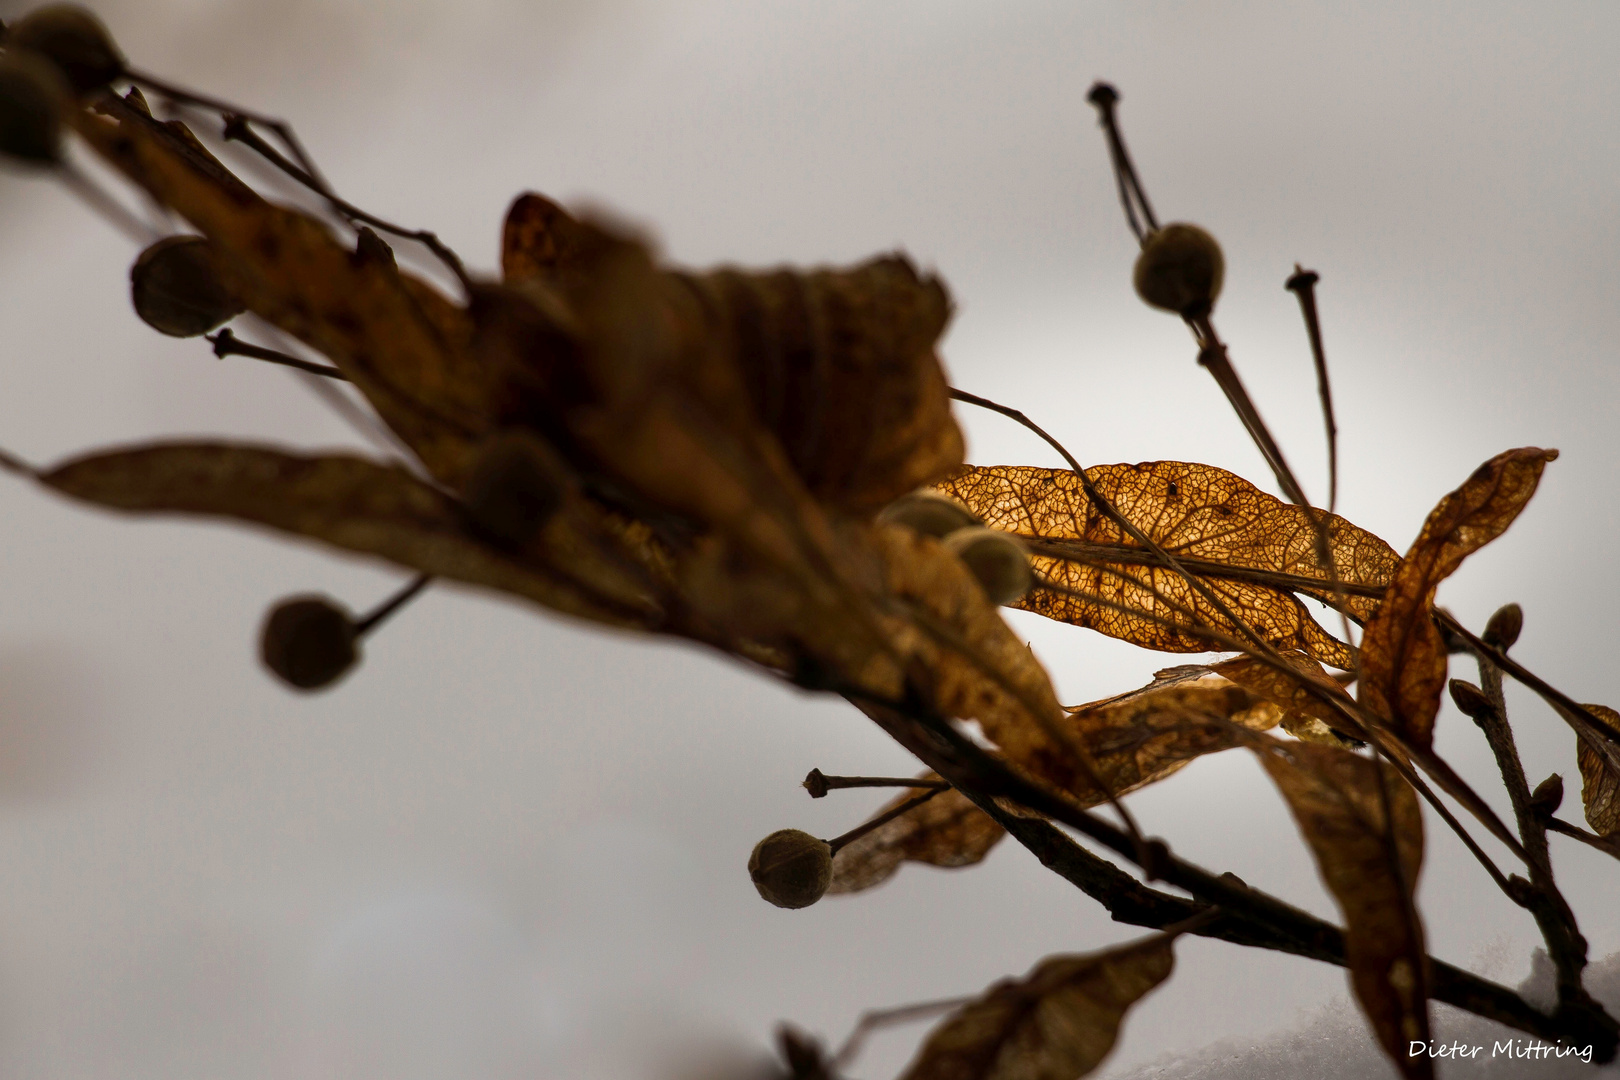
[1251, 549]
[1056, 1023]
[401, 342]
[1403, 656]
[838, 364]
[1335, 798]
[947, 830]
[374, 509]
[1306, 716]
[1600, 784]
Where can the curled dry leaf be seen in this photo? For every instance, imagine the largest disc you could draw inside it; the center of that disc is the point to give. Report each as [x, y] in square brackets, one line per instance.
[1305, 716]
[1144, 737]
[1336, 799]
[1403, 656]
[838, 364]
[947, 830]
[1600, 784]
[1056, 1023]
[1251, 549]
[373, 509]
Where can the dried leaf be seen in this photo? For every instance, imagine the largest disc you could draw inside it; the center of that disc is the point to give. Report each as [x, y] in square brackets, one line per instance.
[401, 342]
[361, 506]
[1403, 656]
[1600, 784]
[1057, 1023]
[1146, 736]
[947, 830]
[838, 364]
[1336, 800]
[1251, 549]
[1306, 716]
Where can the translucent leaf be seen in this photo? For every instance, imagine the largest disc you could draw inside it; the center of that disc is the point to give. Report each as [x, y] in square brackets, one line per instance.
[947, 830]
[1057, 1023]
[1335, 799]
[1403, 656]
[1251, 549]
[1600, 784]
[1305, 715]
[373, 509]
[838, 364]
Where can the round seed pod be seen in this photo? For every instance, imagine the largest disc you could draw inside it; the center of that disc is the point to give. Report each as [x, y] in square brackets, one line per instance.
[308, 642]
[33, 97]
[177, 290]
[516, 484]
[1180, 269]
[929, 513]
[72, 38]
[791, 868]
[996, 559]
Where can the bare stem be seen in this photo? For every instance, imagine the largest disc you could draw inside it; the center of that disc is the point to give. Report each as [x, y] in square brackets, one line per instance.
[226, 344]
[865, 827]
[1303, 285]
[819, 783]
[1131, 195]
[371, 621]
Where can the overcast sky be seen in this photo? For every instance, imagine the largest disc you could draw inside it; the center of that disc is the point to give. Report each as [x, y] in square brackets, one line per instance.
[514, 846]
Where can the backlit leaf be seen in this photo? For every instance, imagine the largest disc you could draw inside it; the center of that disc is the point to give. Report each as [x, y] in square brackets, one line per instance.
[1251, 549]
[1600, 784]
[1056, 1023]
[1403, 656]
[1335, 798]
[1306, 716]
[947, 830]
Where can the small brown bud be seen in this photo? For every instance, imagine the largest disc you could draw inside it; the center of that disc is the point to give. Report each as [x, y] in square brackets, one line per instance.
[791, 868]
[33, 98]
[1548, 796]
[516, 484]
[309, 642]
[1503, 628]
[176, 288]
[929, 513]
[72, 38]
[996, 559]
[1180, 269]
[1471, 700]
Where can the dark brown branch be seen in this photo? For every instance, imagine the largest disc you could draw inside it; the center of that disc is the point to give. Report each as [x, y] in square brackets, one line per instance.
[1559, 825]
[1131, 902]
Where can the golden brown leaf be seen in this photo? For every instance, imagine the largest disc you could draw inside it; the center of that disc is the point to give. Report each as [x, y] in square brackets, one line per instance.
[1403, 656]
[947, 830]
[1057, 1023]
[373, 509]
[1335, 798]
[1306, 716]
[1251, 549]
[838, 364]
[401, 342]
[1600, 784]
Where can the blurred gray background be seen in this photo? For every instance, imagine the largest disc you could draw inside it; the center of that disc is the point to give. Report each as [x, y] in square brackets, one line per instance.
[512, 846]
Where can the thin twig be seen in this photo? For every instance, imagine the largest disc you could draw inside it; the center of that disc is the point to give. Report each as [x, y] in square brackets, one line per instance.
[1303, 285]
[818, 783]
[865, 827]
[371, 621]
[226, 344]
[878, 1018]
[1559, 825]
[1105, 98]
